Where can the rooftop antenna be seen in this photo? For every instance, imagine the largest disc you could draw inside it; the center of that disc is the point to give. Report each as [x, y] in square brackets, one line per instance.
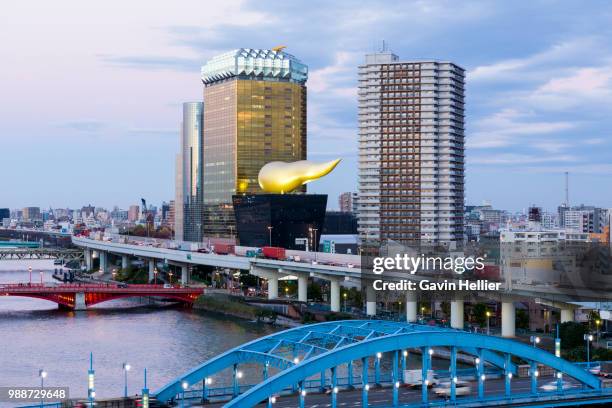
[384, 46]
[567, 188]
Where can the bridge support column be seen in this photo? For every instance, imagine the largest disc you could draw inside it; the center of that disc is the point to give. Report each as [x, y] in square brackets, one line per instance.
[151, 269]
[125, 262]
[533, 371]
[184, 274]
[88, 259]
[364, 382]
[335, 295]
[456, 314]
[508, 318]
[370, 300]
[303, 288]
[453, 373]
[395, 379]
[103, 261]
[79, 301]
[273, 287]
[334, 389]
[567, 315]
[411, 306]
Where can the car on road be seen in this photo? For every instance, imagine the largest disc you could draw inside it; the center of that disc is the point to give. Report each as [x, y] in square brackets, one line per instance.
[443, 389]
[552, 386]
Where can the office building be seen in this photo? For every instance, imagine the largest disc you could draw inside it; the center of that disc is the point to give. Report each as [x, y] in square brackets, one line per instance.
[411, 151]
[5, 213]
[133, 213]
[31, 214]
[190, 169]
[348, 202]
[340, 223]
[585, 218]
[254, 113]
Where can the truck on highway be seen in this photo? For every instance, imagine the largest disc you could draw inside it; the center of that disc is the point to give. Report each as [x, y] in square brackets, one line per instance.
[414, 378]
[223, 249]
[274, 253]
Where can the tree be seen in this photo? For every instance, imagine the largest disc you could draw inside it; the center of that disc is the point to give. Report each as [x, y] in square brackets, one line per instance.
[314, 292]
[571, 335]
[480, 314]
[445, 306]
[522, 319]
[594, 320]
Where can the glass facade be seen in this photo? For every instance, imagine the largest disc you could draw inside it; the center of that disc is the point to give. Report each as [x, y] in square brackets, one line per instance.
[295, 219]
[249, 62]
[250, 119]
[192, 171]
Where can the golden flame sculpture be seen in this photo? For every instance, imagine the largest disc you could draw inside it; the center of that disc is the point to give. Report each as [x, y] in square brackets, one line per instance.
[281, 177]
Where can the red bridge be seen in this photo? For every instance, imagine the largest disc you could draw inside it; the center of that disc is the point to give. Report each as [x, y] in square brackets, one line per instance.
[79, 296]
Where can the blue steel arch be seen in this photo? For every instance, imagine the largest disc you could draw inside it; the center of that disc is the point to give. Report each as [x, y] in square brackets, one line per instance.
[442, 338]
[307, 341]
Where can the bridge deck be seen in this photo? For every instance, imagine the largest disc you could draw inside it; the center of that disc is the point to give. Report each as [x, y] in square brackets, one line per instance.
[10, 288]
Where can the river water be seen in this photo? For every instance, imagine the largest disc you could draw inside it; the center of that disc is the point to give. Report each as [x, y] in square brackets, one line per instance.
[167, 341]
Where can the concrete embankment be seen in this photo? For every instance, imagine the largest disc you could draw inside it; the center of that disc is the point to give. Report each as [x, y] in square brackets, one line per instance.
[236, 306]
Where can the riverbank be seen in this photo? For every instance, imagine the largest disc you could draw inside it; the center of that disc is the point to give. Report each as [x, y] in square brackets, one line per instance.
[234, 306]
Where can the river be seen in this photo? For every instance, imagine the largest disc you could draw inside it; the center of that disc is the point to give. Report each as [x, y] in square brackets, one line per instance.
[167, 341]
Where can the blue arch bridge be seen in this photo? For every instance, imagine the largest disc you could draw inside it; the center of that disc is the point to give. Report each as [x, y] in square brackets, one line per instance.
[361, 363]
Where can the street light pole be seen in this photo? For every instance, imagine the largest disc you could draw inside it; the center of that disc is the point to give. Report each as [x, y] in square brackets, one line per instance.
[534, 340]
[126, 368]
[270, 234]
[588, 338]
[42, 374]
[30, 270]
[488, 325]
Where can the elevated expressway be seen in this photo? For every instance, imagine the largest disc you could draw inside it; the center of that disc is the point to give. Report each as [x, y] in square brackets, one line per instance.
[273, 270]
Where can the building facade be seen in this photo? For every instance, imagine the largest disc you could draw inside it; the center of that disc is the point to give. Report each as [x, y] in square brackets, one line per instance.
[348, 202]
[411, 151]
[254, 113]
[31, 214]
[189, 219]
[133, 213]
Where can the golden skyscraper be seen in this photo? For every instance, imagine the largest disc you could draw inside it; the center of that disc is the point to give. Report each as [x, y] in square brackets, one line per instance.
[254, 113]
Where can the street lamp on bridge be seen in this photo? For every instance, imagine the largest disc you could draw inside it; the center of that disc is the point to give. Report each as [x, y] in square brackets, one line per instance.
[155, 276]
[30, 270]
[534, 340]
[126, 368]
[588, 338]
[42, 374]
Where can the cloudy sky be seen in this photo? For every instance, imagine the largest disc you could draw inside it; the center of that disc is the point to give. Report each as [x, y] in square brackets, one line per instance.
[90, 92]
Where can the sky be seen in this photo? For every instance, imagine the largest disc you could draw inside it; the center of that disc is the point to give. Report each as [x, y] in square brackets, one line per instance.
[91, 92]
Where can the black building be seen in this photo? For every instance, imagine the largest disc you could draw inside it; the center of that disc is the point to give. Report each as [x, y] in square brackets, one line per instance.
[5, 213]
[290, 221]
[340, 223]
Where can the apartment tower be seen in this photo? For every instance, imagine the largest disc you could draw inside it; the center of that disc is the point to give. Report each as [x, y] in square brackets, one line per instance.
[254, 113]
[411, 151]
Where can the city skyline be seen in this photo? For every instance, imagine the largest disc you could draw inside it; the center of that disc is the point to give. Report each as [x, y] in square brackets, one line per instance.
[536, 98]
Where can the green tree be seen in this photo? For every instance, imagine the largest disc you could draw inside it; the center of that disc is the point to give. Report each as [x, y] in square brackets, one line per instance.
[314, 292]
[571, 335]
[522, 319]
[445, 306]
[480, 314]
